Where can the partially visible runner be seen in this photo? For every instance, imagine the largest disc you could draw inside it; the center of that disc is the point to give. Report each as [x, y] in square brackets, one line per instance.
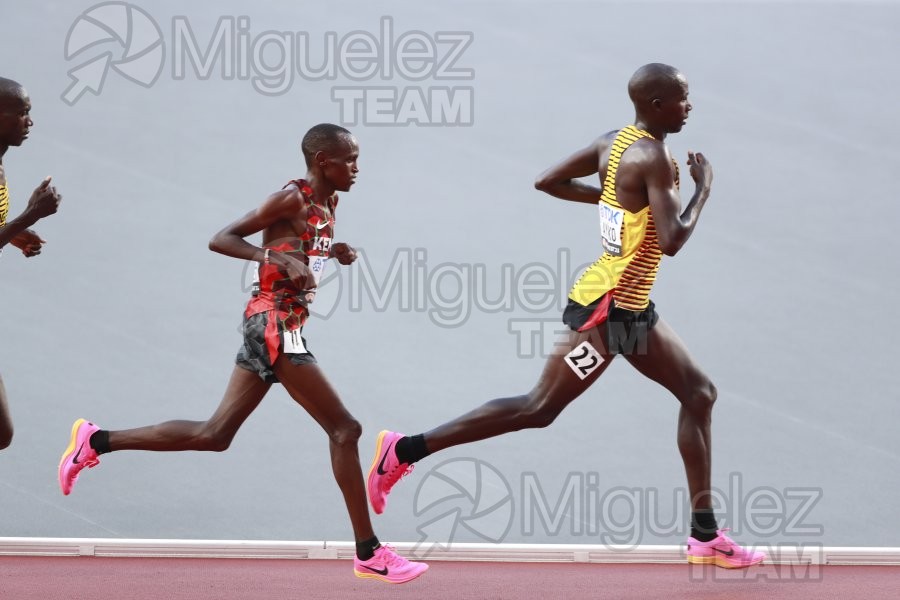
[609, 310]
[297, 225]
[15, 124]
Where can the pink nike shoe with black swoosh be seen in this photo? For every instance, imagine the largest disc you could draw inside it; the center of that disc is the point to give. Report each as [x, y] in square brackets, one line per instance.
[387, 565]
[78, 455]
[723, 552]
[386, 470]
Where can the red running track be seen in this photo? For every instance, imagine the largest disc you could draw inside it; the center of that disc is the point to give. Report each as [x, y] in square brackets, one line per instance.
[89, 578]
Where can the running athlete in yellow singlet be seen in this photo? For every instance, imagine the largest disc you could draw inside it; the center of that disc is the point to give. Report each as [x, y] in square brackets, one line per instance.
[15, 124]
[631, 252]
[609, 310]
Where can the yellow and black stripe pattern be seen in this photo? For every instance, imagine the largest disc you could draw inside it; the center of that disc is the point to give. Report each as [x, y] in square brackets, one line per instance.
[4, 204]
[631, 254]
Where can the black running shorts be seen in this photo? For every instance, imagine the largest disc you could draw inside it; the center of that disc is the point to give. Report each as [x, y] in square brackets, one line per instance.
[254, 353]
[626, 331]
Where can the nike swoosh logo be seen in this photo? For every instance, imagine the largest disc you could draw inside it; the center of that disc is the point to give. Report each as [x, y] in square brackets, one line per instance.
[383, 571]
[729, 553]
[322, 225]
[77, 454]
[381, 470]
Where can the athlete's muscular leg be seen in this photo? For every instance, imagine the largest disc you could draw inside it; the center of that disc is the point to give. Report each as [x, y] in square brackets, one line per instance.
[244, 393]
[6, 426]
[308, 386]
[668, 362]
[556, 388]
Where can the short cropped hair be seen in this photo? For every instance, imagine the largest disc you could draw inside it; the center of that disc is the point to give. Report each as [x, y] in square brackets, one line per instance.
[324, 136]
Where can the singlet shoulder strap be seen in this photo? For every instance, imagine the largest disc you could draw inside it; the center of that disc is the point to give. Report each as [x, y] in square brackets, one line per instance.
[625, 138]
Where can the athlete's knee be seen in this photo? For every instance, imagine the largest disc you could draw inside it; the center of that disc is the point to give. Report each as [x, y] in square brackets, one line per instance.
[708, 395]
[5, 439]
[702, 397]
[216, 443]
[346, 433]
[543, 418]
[214, 439]
[537, 412]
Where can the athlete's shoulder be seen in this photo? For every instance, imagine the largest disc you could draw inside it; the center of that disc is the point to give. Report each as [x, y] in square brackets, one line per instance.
[647, 151]
[289, 194]
[299, 186]
[606, 140]
[602, 145]
[609, 136]
[287, 201]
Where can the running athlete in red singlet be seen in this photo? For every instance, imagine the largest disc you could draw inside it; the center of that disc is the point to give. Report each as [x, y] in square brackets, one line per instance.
[609, 310]
[278, 310]
[15, 124]
[297, 225]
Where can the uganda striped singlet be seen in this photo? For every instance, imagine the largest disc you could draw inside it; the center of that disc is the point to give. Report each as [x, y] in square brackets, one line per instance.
[631, 252]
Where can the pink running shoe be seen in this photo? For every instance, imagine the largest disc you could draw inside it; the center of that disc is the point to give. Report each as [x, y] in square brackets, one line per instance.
[722, 552]
[386, 470]
[78, 455]
[388, 566]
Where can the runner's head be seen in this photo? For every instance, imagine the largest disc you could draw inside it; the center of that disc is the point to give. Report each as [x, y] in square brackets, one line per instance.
[660, 96]
[331, 153]
[14, 118]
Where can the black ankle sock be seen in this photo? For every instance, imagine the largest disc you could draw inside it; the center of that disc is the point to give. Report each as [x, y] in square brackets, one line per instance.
[703, 525]
[100, 441]
[366, 550]
[411, 449]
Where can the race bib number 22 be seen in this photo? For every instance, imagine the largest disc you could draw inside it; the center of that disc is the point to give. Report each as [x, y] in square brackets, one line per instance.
[584, 360]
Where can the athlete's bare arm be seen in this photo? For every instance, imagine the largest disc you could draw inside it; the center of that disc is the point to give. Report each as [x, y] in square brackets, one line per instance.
[275, 217]
[44, 202]
[560, 180]
[674, 225]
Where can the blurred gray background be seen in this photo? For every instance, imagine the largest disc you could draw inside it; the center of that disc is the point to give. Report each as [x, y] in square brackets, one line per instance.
[783, 293]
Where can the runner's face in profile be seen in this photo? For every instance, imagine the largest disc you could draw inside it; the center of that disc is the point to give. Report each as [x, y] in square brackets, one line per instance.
[341, 168]
[676, 106]
[15, 119]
